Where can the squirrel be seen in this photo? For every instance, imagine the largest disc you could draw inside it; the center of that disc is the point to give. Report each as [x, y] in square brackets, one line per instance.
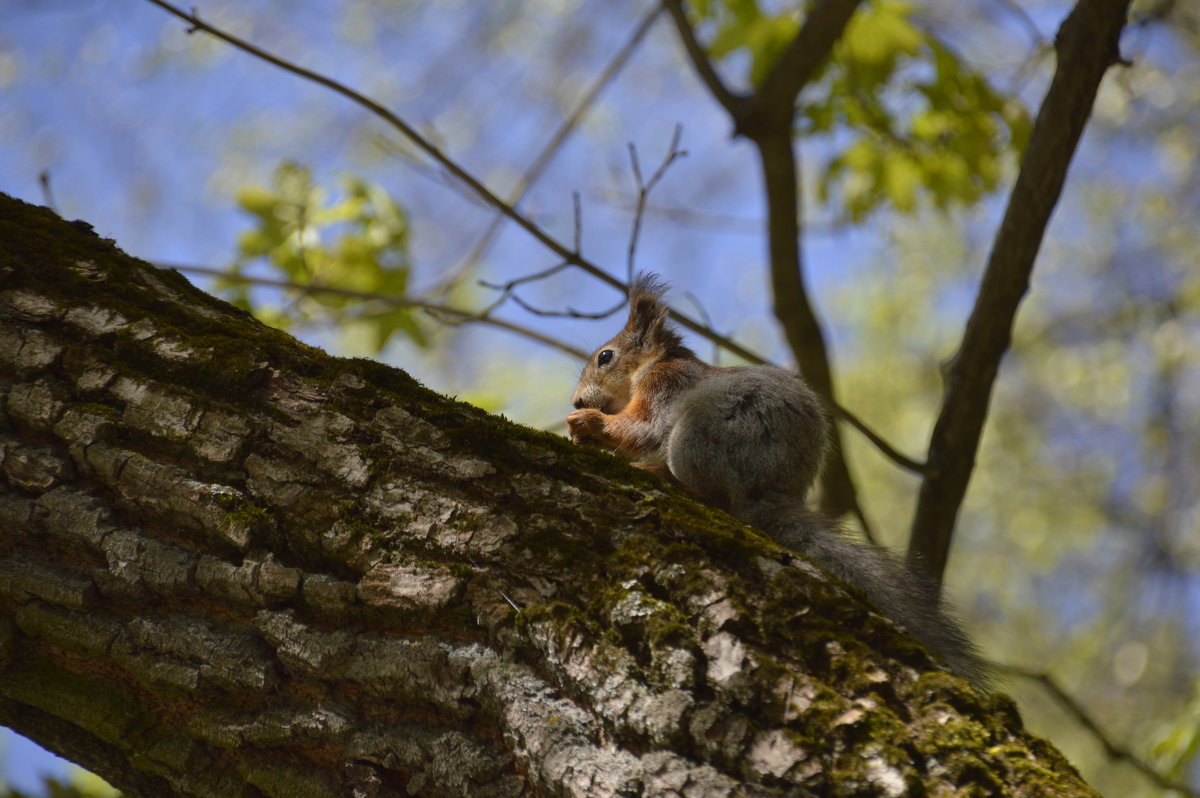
[750, 440]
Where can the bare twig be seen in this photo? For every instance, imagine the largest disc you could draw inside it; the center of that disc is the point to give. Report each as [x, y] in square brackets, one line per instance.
[506, 289]
[883, 446]
[708, 220]
[643, 191]
[457, 315]
[1087, 46]
[578, 206]
[569, 313]
[1112, 750]
[458, 172]
[547, 153]
[506, 293]
[644, 188]
[47, 192]
[1019, 13]
[707, 319]
[422, 143]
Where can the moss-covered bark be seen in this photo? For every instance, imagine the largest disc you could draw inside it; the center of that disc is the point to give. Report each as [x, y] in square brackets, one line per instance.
[232, 565]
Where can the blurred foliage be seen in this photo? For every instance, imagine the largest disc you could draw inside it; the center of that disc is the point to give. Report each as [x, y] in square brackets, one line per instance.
[1085, 485]
[368, 254]
[86, 785]
[913, 122]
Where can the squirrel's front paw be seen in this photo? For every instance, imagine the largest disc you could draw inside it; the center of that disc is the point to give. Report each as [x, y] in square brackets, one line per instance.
[586, 425]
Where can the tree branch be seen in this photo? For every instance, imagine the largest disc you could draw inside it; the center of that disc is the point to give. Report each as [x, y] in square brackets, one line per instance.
[766, 118]
[1112, 750]
[1087, 46]
[558, 248]
[807, 51]
[422, 143]
[794, 310]
[733, 103]
[543, 158]
[644, 187]
[459, 315]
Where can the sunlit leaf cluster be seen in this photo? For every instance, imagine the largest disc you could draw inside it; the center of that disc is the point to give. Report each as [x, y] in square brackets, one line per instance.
[910, 121]
[355, 243]
[85, 785]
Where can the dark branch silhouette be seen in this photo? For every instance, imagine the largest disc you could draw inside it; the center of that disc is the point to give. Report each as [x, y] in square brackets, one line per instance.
[1087, 45]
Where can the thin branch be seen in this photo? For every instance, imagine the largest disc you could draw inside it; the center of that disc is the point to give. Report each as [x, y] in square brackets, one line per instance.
[1087, 45]
[807, 51]
[708, 220]
[506, 289]
[707, 319]
[47, 191]
[1112, 750]
[458, 172]
[731, 102]
[569, 313]
[1022, 16]
[459, 315]
[506, 293]
[547, 153]
[422, 143]
[644, 189]
[899, 458]
[578, 206]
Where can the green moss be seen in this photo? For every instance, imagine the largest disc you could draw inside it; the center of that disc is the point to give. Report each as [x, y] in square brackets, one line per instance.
[244, 519]
[8, 639]
[97, 409]
[103, 708]
[284, 781]
[555, 613]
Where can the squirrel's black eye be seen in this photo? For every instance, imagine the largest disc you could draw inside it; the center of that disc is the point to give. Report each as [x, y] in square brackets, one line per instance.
[604, 356]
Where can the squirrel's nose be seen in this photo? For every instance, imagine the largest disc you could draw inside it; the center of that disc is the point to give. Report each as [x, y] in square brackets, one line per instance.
[578, 404]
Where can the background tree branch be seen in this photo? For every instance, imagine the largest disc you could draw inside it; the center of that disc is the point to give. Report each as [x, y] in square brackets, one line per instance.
[766, 117]
[1087, 45]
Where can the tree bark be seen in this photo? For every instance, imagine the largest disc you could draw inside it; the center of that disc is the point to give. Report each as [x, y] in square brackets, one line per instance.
[231, 565]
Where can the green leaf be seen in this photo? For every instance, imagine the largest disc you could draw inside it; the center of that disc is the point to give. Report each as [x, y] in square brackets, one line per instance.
[292, 223]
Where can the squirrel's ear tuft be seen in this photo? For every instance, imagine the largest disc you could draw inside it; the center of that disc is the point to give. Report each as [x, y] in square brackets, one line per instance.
[648, 314]
[647, 284]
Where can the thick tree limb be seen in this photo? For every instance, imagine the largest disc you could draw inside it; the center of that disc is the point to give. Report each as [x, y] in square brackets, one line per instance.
[231, 565]
[1087, 46]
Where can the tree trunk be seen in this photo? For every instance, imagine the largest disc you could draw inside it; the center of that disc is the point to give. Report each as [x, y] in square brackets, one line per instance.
[231, 565]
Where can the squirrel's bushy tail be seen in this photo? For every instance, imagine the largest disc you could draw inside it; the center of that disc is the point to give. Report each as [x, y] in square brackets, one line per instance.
[908, 598]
